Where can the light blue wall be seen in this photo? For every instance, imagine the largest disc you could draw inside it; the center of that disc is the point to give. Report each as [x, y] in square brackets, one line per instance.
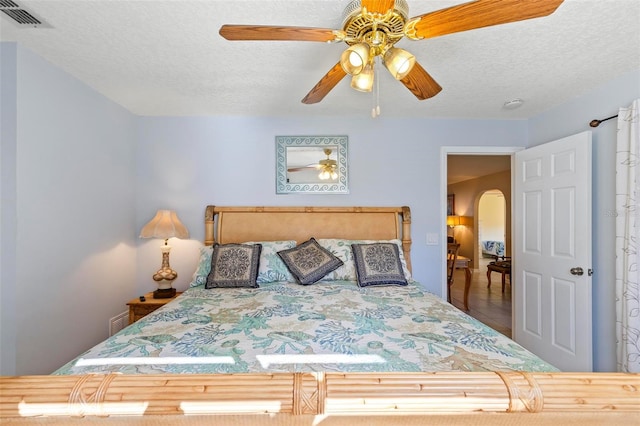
[187, 163]
[574, 117]
[74, 255]
[8, 142]
[88, 175]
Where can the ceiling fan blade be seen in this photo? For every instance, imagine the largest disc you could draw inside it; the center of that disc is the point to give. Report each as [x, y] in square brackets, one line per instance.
[421, 84]
[308, 166]
[325, 85]
[378, 6]
[478, 14]
[266, 32]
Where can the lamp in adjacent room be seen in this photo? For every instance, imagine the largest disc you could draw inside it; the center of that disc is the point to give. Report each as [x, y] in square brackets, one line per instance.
[165, 224]
[453, 221]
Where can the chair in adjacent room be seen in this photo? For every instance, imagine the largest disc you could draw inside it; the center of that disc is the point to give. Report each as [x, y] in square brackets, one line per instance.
[452, 256]
[501, 264]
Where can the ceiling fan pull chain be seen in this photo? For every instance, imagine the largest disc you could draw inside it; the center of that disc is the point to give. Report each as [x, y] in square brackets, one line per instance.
[373, 97]
[378, 94]
[375, 108]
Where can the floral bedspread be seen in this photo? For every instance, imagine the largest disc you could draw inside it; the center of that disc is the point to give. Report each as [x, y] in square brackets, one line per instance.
[328, 326]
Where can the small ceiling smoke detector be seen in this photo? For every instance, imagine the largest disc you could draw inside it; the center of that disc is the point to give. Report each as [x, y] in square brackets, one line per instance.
[513, 104]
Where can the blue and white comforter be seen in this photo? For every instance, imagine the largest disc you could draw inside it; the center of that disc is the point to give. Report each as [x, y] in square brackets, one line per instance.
[328, 326]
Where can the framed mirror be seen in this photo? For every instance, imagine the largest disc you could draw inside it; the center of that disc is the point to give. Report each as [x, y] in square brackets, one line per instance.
[311, 164]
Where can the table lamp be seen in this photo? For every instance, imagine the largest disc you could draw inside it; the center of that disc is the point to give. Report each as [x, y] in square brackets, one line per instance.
[165, 224]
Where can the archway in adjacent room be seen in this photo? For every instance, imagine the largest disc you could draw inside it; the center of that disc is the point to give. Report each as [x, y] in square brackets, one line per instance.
[492, 214]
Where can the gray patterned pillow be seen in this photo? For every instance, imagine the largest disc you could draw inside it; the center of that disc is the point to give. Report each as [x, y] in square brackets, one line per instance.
[234, 265]
[342, 249]
[378, 264]
[309, 261]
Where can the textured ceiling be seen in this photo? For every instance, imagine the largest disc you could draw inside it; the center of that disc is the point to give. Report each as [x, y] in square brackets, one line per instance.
[166, 57]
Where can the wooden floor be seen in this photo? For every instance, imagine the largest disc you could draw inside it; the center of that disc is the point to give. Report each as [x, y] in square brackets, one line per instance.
[490, 306]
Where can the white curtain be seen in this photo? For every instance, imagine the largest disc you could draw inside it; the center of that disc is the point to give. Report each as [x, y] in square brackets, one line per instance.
[628, 239]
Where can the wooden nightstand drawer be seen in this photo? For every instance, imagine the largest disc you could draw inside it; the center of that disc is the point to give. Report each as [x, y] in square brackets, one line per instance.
[138, 309]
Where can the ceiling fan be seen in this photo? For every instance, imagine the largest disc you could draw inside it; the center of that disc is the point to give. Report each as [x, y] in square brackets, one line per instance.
[371, 28]
[327, 167]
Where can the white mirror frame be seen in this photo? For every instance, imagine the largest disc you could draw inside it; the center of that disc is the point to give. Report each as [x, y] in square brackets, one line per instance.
[339, 186]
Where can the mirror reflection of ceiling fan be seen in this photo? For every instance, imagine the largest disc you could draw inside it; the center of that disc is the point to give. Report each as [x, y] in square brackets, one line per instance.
[326, 166]
[371, 28]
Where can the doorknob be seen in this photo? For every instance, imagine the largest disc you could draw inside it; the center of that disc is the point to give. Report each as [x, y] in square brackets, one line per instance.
[576, 271]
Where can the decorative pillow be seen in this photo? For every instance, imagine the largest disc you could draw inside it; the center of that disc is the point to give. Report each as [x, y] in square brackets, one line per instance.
[378, 264]
[203, 268]
[342, 249]
[271, 266]
[234, 265]
[309, 261]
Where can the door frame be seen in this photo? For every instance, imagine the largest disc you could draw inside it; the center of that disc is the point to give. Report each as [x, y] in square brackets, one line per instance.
[445, 151]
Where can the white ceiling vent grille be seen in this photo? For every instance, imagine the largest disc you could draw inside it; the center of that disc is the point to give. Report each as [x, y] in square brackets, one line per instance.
[21, 16]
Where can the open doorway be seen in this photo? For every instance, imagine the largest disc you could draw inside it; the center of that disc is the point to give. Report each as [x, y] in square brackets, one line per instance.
[492, 225]
[481, 187]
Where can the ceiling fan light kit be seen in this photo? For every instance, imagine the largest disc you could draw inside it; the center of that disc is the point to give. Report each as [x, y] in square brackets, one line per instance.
[371, 28]
[363, 81]
[399, 62]
[328, 167]
[355, 58]
[326, 175]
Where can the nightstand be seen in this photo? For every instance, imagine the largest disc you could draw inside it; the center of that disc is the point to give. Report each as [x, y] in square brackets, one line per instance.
[138, 309]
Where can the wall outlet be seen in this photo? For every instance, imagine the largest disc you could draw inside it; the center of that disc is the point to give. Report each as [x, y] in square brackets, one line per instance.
[432, 239]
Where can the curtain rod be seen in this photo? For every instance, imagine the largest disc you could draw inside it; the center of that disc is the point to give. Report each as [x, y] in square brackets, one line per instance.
[596, 123]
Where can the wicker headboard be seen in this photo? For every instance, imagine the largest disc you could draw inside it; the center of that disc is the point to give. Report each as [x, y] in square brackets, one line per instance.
[239, 224]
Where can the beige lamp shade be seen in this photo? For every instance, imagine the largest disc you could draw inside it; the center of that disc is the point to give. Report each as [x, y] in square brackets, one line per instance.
[165, 224]
[466, 221]
[459, 220]
[453, 220]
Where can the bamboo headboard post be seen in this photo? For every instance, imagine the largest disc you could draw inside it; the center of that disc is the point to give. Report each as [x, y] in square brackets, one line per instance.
[406, 235]
[209, 237]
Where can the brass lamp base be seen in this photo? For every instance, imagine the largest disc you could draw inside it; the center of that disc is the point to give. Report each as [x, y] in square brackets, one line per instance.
[165, 276]
[164, 293]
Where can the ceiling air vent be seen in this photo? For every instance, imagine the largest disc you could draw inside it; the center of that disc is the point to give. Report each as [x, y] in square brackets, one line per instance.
[21, 16]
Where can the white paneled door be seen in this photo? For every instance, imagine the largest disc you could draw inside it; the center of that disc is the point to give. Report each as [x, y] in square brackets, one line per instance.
[552, 254]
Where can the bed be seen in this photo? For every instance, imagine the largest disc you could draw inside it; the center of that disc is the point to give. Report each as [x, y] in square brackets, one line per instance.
[334, 346]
